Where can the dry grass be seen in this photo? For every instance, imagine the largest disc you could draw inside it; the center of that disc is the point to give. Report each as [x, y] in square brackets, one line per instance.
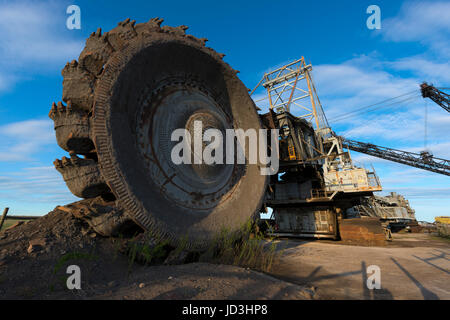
[246, 248]
[9, 222]
[443, 230]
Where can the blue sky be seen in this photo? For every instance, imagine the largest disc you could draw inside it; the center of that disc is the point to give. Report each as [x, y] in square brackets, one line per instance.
[352, 67]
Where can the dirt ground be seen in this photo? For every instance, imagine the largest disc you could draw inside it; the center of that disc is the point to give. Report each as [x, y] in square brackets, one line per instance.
[413, 266]
[34, 257]
[39, 271]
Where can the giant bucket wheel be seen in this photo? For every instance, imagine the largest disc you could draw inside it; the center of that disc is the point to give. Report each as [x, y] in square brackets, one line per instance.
[128, 91]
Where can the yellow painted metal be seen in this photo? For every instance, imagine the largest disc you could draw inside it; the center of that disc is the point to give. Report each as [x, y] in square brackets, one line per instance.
[292, 153]
[442, 219]
[270, 98]
[313, 103]
[293, 88]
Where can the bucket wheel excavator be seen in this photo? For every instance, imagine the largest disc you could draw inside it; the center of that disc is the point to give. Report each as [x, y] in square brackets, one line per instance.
[133, 86]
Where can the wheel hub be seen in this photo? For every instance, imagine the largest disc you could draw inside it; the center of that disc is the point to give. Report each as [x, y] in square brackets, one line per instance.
[197, 186]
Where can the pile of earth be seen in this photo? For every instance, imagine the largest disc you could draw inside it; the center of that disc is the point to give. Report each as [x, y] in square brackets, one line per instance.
[34, 257]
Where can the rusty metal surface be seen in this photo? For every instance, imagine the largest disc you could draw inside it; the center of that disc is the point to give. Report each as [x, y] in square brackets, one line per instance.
[132, 125]
[130, 88]
[193, 186]
[306, 221]
[360, 230]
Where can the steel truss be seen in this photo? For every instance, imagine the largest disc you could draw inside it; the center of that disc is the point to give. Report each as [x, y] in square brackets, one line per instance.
[290, 89]
[424, 160]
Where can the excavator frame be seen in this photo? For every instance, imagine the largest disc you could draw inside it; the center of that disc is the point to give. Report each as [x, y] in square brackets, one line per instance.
[317, 180]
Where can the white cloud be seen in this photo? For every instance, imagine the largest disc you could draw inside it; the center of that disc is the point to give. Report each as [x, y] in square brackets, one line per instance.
[30, 31]
[357, 83]
[425, 22]
[428, 70]
[418, 20]
[31, 189]
[33, 36]
[34, 184]
[348, 78]
[401, 126]
[20, 141]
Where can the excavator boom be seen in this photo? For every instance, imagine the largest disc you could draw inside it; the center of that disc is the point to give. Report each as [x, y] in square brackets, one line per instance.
[441, 98]
[424, 160]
